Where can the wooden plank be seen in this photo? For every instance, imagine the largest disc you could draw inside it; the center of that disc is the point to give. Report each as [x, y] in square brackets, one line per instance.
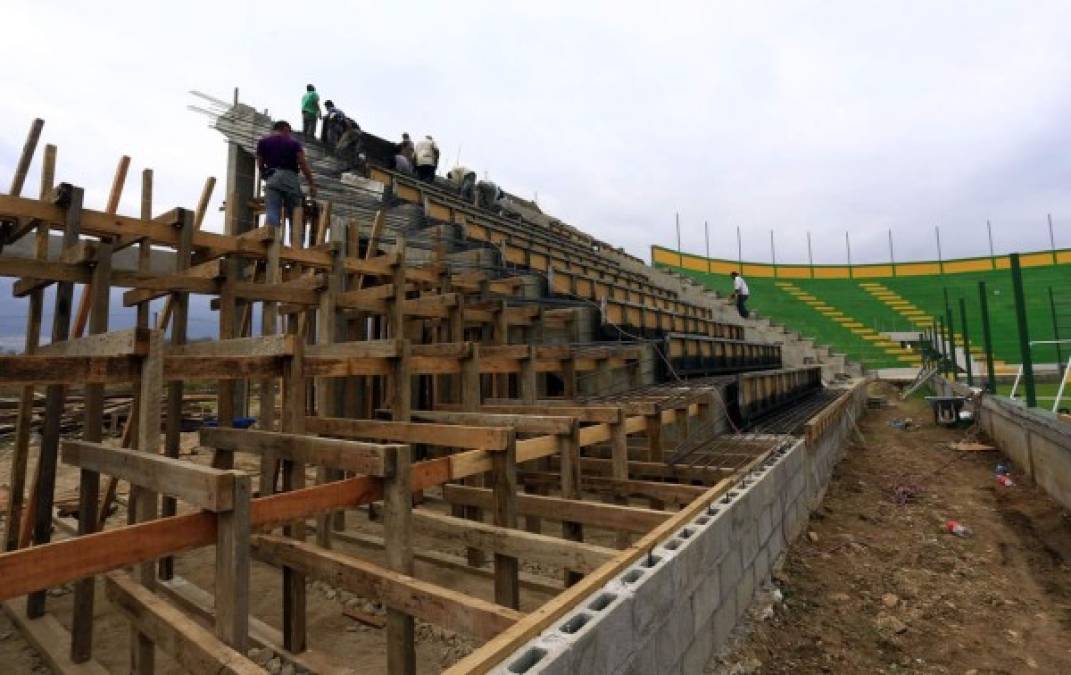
[509, 541]
[366, 458]
[522, 424]
[180, 637]
[129, 342]
[48, 636]
[22, 168]
[265, 345]
[607, 516]
[202, 486]
[424, 600]
[504, 515]
[666, 492]
[459, 436]
[60, 370]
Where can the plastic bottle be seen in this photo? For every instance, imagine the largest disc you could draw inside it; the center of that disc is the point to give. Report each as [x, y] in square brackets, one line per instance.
[959, 529]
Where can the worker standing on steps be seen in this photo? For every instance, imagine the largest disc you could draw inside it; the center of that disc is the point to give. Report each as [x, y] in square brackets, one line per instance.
[740, 294]
[279, 157]
[427, 159]
[463, 179]
[310, 112]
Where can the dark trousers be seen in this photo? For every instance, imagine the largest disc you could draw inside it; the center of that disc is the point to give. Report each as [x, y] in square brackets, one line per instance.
[308, 125]
[426, 172]
[741, 306]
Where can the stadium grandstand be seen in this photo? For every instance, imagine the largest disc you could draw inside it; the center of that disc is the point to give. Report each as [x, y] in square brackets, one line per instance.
[868, 312]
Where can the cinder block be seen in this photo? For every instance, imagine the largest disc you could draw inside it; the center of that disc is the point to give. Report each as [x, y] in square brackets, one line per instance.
[775, 545]
[655, 591]
[724, 620]
[706, 597]
[765, 523]
[729, 571]
[745, 589]
[700, 650]
[762, 565]
[603, 641]
[716, 540]
[546, 655]
[674, 636]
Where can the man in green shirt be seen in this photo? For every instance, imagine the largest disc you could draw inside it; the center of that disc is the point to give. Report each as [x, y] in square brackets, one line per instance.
[310, 112]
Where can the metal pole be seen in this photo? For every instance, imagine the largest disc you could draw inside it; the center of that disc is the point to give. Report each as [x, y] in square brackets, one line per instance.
[848, 246]
[1052, 240]
[992, 257]
[892, 256]
[951, 337]
[966, 341]
[940, 258]
[1056, 336]
[987, 337]
[739, 251]
[810, 256]
[680, 255]
[941, 346]
[773, 255]
[706, 232]
[1024, 332]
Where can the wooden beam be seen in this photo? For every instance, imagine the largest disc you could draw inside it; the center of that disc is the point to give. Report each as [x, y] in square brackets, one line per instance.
[51, 640]
[129, 342]
[202, 486]
[182, 638]
[522, 424]
[421, 599]
[537, 548]
[459, 436]
[607, 516]
[366, 458]
[60, 370]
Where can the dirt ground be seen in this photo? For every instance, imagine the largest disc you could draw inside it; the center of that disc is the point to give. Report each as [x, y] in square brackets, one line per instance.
[877, 585]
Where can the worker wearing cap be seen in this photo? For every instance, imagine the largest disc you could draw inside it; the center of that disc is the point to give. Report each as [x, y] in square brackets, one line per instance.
[279, 157]
[740, 294]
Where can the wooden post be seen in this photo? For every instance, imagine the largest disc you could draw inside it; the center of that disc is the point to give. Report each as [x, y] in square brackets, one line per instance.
[269, 326]
[325, 394]
[232, 568]
[619, 465]
[89, 481]
[180, 304]
[569, 450]
[527, 379]
[504, 482]
[21, 449]
[470, 402]
[54, 400]
[569, 378]
[654, 448]
[501, 337]
[397, 531]
[143, 503]
[293, 421]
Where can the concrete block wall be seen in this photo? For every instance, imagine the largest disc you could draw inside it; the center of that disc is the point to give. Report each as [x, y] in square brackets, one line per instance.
[1037, 441]
[671, 609]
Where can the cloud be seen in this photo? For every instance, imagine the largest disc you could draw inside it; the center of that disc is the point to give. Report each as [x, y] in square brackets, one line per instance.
[796, 116]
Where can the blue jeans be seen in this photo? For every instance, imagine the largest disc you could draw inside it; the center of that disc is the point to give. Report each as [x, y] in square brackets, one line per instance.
[281, 190]
[741, 307]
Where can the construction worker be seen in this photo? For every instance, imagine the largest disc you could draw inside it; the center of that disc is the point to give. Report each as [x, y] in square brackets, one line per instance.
[740, 294]
[426, 154]
[279, 157]
[334, 124]
[463, 179]
[404, 155]
[310, 112]
[489, 194]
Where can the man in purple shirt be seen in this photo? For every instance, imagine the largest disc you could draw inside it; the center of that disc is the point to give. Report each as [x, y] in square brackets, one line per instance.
[280, 156]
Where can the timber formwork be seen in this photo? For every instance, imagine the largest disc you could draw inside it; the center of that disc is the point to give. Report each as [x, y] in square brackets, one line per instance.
[383, 379]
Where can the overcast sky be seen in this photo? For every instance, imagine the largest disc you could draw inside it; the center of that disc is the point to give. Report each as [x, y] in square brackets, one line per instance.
[790, 116]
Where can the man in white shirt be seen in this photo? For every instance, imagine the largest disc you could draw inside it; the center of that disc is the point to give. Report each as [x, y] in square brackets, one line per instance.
[740, 294]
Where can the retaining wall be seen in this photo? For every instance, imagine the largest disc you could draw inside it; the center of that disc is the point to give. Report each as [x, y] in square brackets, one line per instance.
[1036, 440]
[669, 611]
